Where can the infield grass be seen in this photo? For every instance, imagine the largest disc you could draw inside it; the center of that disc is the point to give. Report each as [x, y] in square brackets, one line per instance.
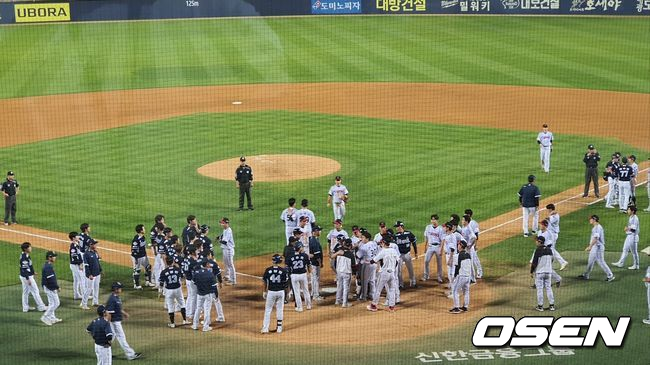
[117, 178]
[572, 52]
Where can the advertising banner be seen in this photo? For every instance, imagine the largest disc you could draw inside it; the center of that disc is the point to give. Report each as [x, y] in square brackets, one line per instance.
[336, 7]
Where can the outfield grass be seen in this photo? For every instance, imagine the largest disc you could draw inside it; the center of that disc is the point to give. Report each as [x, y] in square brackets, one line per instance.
[116, 178]
[573, 52]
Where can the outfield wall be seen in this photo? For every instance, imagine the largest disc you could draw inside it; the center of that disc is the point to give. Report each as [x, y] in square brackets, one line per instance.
[98, 10]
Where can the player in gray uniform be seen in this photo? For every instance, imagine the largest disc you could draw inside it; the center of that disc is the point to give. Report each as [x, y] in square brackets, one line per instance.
[388, 261]
[333, 239]
[433, 234]
[549, 241]
[541, 269]
[476, 262]
[450, 244]
[228, 250]
[631, 240]
[470, 239]
[553, 226]
[367, 251]
[462, 278]
[304, 211]
[290, 218]
[635, 170]
[337, 197]
[545, 142]
[647, 184]
[345, 264]
[596, 250]
[275, 281]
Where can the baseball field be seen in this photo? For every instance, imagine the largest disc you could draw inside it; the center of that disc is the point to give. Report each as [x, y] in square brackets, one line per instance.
[111, 124]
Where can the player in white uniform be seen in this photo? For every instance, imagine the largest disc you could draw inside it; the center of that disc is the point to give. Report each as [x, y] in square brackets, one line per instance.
[545, 142]
[306, 212]
[228, 249]
[553, 226]
[635, 169]
[476, 262]
[470, 239]
[388, 259]
[337, 197]
[367, 251]
[631, 240]
[332, 239]
[648, 187]
[450, 244]
[596, 250]
[290, 218]
[433, 234]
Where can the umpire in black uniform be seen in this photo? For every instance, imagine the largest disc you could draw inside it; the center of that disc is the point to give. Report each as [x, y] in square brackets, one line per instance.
[244, 177]
[10, 189]
[591, 173]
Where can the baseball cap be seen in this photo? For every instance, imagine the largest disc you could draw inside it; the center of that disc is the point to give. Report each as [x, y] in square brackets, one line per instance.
[337, 178]
[93, 242]
[595, 217]
[531, 178]
[591, 147]
[317, 228]
[298, 246]
[50, 254]
[10, 173]
[224, 220]
[242, 158]
[541, 239]
[633, 157]
[614, 155]
[205, 228]
[297, 231]
[116, 285]
[101, 310]
[399, 224]
[293, 239]
[355, 228]
[544, 125]
[277, 258]
[382, 224]
[624, 159]
[169, 260]
[338, 221]
[303, 218]
[340, 237]
[449, 225]
[463, 244]
[361, 229]
[167, 230]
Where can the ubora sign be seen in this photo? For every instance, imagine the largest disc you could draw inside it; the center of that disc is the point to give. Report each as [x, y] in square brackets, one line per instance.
[38, 13]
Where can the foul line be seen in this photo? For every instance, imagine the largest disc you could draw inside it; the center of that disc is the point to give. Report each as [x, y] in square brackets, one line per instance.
[560, 202]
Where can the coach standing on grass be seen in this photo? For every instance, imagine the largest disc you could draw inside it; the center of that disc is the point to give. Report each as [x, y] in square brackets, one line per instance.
[529, 195]
[591, 173]
[10, 189]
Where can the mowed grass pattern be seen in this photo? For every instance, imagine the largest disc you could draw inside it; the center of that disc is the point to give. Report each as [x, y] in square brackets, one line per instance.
[602, 53]
[118, 178]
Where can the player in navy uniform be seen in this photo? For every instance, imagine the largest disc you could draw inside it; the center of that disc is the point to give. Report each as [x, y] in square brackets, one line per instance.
[191, 230]
[10, 189]
[76, 266]
[205, 241]
[275, 281]
[216, 271]
[404, 240]
[115, 315]
[299, 265]
[625, 174]
[206, 285]
[189, 265]
[93, 272]
[170, 280]
[159, 251]
[27, 280]
[611, 171]
[51, 289]
[316, 261]
[139, 258]
[529, 195]
[84, 237]
[102, 334]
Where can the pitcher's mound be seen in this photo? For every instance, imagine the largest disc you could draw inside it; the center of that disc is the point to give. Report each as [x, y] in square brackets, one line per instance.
[273, 167]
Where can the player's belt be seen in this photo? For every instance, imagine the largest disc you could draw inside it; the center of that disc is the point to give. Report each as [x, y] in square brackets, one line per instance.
[434, 244]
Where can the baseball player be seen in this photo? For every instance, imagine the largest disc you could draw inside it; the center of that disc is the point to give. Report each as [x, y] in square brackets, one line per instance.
[550, 240]
[204, 240]
[84, 237]
[93, 273]
[462, 278]
[299, 265]
[275, 281]
[529, 195]
[227, 241]
[631, 240]
[102, 334]
[476, 262]
[76, 266]
[303, 231]
[405, 240]
[304, 211]
[450, 244]
[206, 285]
[290, 218]
[337, 197]
[388, 261]
[51, 289]
[139, 258]
[625, 176]
[316, 261]
[333, 239]
[159, 251]
[553, 226]
[635, 170]
[155, 231]
[368, 249]
[611, 176]
[647, 285]
[433, 234]
[648, 188]
[469, 237]
[345, 264]
[115, 315]
[189, 266]
[216, 271]
[541, 269]
[191, 230]
[596, 250]
[170, 280]
[545, 142]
